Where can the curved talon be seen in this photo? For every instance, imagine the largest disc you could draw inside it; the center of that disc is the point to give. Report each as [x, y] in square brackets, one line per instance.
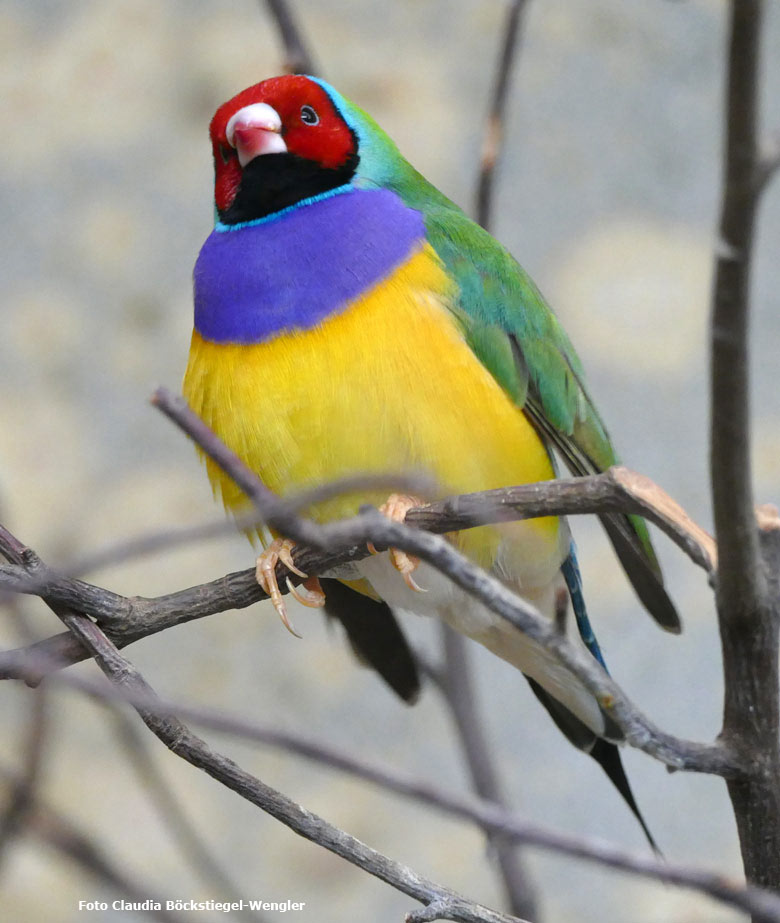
[310, 593]
[396, 507]
[285, 556]
[412, 583]
[371, 548]
[286, 621]
[265, 574]
[406, 564]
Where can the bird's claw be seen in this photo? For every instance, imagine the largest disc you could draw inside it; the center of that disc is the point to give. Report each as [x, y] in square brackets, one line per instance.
[309, 593]
[265, 573]
[396, 507]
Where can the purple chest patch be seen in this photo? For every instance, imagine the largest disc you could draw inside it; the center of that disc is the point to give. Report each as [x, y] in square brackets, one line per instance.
[291, 272]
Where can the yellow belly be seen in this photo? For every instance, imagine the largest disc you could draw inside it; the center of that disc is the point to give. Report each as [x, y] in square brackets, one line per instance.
[388, 385]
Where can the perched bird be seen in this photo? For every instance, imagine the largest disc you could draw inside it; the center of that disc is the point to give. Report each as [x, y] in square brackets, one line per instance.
[349, 318]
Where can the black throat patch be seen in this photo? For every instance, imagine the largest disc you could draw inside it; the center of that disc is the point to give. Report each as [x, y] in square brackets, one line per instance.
[272, 182]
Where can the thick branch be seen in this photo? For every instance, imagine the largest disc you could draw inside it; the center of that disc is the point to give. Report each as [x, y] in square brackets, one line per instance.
[740, 582]
[746, 588]
[750, 654]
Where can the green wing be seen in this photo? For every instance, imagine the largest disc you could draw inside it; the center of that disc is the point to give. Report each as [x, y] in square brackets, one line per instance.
[512, 330]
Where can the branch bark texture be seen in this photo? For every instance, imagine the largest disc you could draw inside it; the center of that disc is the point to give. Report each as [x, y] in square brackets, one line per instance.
[746, 587]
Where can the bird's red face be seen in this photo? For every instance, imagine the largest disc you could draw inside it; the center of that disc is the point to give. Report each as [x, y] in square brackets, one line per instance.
[275, 143]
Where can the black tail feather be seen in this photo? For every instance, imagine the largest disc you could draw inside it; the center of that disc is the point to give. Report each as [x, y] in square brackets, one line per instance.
[606, 754]
[375, 636]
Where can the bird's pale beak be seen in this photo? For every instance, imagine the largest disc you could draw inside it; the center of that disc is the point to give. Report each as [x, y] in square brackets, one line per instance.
[255, 130]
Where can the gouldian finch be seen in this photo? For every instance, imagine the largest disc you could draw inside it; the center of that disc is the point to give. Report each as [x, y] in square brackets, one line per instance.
[351, 319]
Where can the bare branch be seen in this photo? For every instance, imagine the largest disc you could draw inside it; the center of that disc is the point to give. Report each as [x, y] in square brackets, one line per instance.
[128, 620]
[747, 594]
[486, 814]
[298, 59]
[460, 696]
[616, 490]
[173, 814]
[740, 582]
[494, 131]
[418, 485]
[182, 742]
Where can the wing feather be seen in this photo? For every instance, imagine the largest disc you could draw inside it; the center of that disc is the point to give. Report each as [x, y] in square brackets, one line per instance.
[513, 331]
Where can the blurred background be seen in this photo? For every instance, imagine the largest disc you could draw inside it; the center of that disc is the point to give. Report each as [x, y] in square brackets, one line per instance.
[607, 193]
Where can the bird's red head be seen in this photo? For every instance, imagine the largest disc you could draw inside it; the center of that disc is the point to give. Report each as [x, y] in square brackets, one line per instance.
[290, 116]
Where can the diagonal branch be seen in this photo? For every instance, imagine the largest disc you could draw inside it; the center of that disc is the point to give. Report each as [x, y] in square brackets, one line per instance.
[183, 743]
[130, 619]
[486, 814]
[192, 846]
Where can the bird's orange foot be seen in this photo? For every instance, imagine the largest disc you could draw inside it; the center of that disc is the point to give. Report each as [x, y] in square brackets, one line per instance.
[265, 573]
[396, 507]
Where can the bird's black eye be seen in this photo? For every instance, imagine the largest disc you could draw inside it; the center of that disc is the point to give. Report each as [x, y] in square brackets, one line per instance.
[309, 116]
[225, 152]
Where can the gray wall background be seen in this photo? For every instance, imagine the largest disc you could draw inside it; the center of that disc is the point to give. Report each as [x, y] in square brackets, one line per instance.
[608, 194]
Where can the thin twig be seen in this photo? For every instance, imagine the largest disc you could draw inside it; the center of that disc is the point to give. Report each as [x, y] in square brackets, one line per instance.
[616, 490]
[298, 59]
[418, 485]
[494, 131]
[190, 842]
[460, 696]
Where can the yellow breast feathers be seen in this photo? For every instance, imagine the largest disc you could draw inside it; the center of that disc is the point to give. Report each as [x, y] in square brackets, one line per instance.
[387, 385]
